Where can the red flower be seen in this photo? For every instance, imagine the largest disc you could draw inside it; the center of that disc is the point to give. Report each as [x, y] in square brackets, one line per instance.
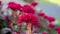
[49, 18]
[41, 13]
[51, 26]
[28, 9]
[44, 32]
[29, 18]
[34, 3]
[10, 24]
[19, 6]
[7, 17]
[14, 6]
[58, 29]
[0, 2]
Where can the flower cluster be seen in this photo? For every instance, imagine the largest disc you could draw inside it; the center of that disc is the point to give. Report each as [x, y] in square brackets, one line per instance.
[14, 6]
[28, 9]
[29, 18]
[49, 18]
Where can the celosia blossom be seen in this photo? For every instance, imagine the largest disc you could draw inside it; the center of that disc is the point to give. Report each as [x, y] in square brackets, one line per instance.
[41, 13]
[34, 4]
[14, 6]
[28, 9]
[49, 18]
[51, 25]
[29, 18]
[44, 32]
[58, 30]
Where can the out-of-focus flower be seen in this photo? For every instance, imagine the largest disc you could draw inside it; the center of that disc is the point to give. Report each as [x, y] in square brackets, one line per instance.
[58, 30]
[6, 17]
[29, 18]
[14, 6]
[51, 25]
[28, 9]
[44, 32]
[10, 24]
[0, 2]
[41, 13]
[19, 7]
[49, 18]
[34, 4]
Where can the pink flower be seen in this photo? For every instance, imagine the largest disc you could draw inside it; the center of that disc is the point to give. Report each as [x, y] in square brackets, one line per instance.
[0, 2]
[44, 32]
[10, 24]
[51, 25]
[19, 6]
[34, 3]
[14, 6]
[58, 29]
[29, 18]
[7, 17]
[41, 13]
[49, 18]
[28, 9]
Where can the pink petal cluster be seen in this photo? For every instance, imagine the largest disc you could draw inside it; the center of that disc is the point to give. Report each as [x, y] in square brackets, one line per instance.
[34, 4]
[49, 18]
[28, 9]
[41, 13]
[10, 24]
[58, 29]
[14, 6]
[51, 25]
[29, 18]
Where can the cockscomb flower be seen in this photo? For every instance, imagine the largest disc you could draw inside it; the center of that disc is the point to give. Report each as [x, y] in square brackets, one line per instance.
[49, 18]
[51, 25]
[14, 6]
[19, 6]
[6, 17]
[0, 2]
[34, 4]
[29, 18]
[10, 24]
[28, 9]
[41, 13]
[58, 30]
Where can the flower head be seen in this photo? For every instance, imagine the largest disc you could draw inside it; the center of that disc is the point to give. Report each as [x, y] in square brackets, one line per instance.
[49, 18]
[14, 6]
[28, 9]
[29, 18]
[44, 32]
[10, 24]
[51, 25]
[34, 3]
[58, 29]
[7, 17]
[41, 13]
